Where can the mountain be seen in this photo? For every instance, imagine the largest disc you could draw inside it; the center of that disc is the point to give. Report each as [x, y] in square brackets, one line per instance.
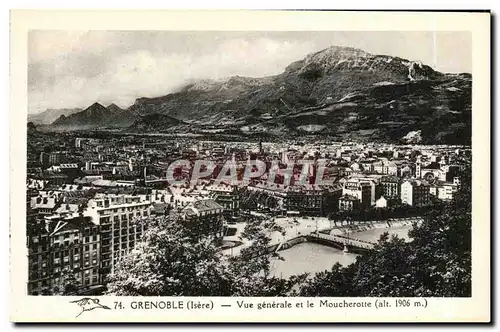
[328, 75]
[339, 92]
[120, 118]
[114, 108]
[438, 110]
[94, 116]
[50, 115]
[155, 123]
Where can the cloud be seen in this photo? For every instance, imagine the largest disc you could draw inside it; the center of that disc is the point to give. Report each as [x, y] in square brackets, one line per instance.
[81, 76]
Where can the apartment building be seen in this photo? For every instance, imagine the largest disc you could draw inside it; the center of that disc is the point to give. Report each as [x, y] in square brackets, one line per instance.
[121, 220]
[390, 187]
[363, 191]
[60, 247]
[415, 192]
[444, 190]
[207, 216]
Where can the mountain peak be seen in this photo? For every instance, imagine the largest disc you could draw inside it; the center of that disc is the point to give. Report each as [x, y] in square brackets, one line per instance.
[340, 52]
[114, 108]
[95, 105]
[95, 109]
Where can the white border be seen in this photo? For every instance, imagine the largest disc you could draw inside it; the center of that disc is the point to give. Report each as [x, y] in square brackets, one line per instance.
[42, 309]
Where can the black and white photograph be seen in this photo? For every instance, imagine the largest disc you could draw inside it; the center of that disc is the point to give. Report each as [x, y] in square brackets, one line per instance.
[249, 163]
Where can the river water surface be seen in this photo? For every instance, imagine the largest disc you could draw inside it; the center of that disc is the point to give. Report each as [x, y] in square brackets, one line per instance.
[313, 257]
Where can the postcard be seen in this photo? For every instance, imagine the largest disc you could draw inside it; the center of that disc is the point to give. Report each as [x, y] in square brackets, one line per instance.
[249, 166]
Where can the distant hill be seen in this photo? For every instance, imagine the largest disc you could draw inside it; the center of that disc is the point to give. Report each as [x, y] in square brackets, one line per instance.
[339, 92]
[50, 115]
[95, 116]
[155, 123]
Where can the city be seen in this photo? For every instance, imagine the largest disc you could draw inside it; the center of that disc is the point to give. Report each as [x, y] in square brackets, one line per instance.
[89, 200]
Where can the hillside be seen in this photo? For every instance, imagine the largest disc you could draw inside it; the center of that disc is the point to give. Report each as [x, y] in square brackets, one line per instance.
[155, 123]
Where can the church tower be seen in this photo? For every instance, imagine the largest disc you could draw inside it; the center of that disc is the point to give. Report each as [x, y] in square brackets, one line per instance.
[418, 169]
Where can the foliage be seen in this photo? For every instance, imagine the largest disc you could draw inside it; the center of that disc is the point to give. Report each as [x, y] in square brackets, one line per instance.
[173, 261]
[69, 285]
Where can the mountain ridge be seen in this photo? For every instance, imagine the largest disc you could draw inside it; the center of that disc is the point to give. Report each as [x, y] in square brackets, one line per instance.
[51, 114]
[332, 92]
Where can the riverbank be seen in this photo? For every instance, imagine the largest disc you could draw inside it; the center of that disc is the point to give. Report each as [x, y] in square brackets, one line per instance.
[370, 225]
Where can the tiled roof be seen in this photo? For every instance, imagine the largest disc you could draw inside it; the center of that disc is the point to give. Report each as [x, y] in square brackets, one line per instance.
[199, 206]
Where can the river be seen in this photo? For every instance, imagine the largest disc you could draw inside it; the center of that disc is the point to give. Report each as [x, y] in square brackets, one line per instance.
[313, 257]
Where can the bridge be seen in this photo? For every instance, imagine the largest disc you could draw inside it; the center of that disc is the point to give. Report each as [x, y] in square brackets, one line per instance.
[339, 241]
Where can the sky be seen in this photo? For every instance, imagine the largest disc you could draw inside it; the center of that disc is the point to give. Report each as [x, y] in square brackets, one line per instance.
[69, 69]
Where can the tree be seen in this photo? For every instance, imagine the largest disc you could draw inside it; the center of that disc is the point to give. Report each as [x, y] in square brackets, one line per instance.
[173, 260]
[70, 283]
[335, 282]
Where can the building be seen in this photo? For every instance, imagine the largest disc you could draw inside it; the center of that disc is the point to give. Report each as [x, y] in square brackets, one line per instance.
[415, 192]
[78, 142]
[206, 217]
[361, 190]
[385, 167]
[44, 205]
[381, 202]
[390, 187]
[444, 190]
[61, 248]
[228, 197]
[348, 203]
[52, 158]
[311, 199]
[418, 169]
[70, 170]
[121, 218]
